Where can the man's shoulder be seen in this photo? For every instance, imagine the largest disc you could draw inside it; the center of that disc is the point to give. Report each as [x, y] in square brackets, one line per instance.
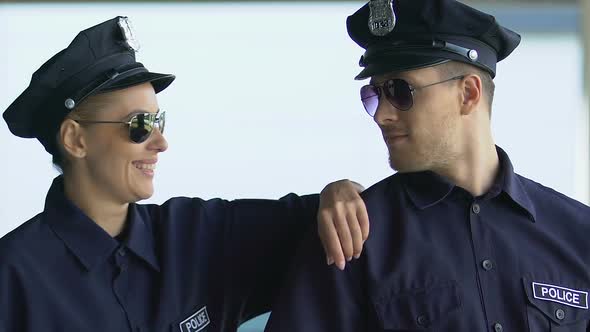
[554, 205]
[541, 193]
[381, 188]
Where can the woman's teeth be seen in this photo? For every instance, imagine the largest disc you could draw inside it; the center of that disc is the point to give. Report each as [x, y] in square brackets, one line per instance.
[145, 166]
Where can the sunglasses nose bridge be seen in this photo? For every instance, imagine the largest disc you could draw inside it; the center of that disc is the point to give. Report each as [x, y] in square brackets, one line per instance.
[386, 111]
[142, 126]
[161, 122]
[157, 141]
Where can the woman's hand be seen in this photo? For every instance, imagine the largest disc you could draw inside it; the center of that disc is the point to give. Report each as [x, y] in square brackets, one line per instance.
[343, 222]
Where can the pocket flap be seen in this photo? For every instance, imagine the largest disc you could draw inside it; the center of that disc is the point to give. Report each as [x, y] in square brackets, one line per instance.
[417, 308]
[563, 303]
[195, 320]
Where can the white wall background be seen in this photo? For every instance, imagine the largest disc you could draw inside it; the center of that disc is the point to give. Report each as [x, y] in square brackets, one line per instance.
[265, 102]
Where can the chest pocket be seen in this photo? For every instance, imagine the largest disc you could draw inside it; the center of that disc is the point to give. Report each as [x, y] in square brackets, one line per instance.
[556, 306]
[417, 309]
[195, 320]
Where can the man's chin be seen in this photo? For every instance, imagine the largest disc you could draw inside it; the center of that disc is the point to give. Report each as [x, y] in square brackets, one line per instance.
[404, 166]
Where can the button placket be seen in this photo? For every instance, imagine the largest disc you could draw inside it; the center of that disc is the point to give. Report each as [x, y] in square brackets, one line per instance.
[121, 260]
[121, 281]
[484, 265]
[475, 208]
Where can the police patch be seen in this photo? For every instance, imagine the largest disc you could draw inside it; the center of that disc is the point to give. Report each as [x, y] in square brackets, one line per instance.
[196, 322]
[567, 296]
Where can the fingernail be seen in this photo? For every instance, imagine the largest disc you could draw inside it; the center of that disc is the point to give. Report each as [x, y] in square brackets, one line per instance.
[330, 260]
[348, 259]
[341, 265]
[357, 256]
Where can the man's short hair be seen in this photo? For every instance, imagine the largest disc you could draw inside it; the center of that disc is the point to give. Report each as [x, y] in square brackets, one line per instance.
[456, 68]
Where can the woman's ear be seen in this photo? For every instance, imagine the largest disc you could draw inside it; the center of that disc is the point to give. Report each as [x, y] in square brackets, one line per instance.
[72, 138]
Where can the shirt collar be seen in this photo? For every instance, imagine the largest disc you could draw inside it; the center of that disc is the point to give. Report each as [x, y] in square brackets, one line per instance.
[82, 236]
[88, 241]
[512, 185]
[427, 188]
[140, 239]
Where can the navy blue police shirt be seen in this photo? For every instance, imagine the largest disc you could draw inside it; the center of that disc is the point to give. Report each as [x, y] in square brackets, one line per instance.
[188, 265]
[439, 259]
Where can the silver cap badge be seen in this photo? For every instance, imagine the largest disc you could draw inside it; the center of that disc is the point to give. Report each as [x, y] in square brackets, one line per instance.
[129, 33]
[382, 17]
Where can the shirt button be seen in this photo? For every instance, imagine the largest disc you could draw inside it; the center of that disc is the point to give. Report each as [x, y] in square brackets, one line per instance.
[487, 264]
[422, 320]
[560, 314]
[475, 208]
[498, 327]
[121, 252]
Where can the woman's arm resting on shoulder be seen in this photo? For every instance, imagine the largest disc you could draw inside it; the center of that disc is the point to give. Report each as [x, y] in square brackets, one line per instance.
[343, 222]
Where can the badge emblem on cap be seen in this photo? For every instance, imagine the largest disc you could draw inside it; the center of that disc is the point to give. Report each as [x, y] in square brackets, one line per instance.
[382, 17]
[128, 33]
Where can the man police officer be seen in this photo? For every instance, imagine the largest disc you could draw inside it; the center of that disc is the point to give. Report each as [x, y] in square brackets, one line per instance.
[459, 241]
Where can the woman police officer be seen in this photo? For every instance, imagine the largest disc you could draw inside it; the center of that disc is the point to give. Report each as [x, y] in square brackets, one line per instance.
[94, 260]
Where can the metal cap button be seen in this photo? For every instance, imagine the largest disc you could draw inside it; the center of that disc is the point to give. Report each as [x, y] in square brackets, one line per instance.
[560, 314]
[498, 327]
[475, 208]
[473, 55]
[69, 103]
[487, 264]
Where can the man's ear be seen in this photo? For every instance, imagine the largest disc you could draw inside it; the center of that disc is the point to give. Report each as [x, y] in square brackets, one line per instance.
[72, 138]
[471, 93]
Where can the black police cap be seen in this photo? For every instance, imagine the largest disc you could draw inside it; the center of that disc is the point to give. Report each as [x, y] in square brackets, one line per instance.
[99, 59]
[403, 35]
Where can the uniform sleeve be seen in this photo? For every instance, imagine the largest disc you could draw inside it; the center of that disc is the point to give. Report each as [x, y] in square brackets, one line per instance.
[261, 239]
[12, 312]
[317, 297]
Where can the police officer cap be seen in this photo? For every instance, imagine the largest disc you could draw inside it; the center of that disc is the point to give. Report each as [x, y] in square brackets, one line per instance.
[403, 35]
[99, 59]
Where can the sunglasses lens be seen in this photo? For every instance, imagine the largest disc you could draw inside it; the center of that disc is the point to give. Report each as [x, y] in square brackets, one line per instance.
[399, 94]
[161, 122]
[141, 127]
[370, 99]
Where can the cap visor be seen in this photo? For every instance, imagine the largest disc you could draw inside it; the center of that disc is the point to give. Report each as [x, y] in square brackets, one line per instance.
[159, 81]
[398, 63]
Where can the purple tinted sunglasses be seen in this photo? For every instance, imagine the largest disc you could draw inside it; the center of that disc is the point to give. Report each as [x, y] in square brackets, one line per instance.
[398, 92]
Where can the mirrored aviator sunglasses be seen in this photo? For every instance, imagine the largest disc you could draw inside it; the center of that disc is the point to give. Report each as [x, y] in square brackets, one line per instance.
[398, 92]
[141, 125]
